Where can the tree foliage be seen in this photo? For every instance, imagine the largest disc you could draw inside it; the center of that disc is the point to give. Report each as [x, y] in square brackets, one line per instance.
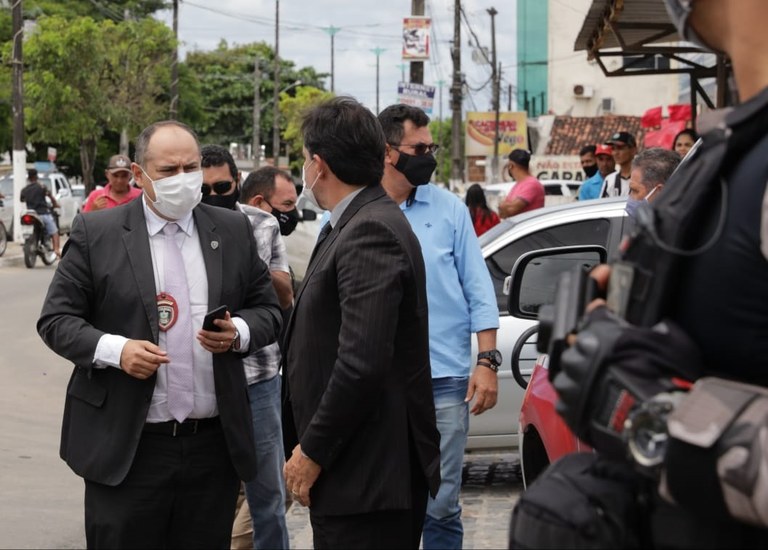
[95, 9]
[442, 132]
[226, 80]
[293, 109]
[86, 76]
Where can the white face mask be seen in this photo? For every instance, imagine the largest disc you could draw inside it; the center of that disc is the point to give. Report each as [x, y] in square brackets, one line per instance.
[306, 191]
[177, 195]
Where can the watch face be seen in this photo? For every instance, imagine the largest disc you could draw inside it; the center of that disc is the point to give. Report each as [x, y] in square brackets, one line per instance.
[494, 356]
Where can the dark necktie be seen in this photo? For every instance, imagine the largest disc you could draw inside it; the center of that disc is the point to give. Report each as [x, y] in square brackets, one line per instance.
[324, 232]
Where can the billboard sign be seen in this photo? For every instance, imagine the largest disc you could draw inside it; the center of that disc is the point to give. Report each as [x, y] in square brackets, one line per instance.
[417, 95]
[481, 129]
[416, 38]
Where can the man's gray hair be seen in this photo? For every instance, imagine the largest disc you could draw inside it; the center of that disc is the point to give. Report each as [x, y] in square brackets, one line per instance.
[655, 165]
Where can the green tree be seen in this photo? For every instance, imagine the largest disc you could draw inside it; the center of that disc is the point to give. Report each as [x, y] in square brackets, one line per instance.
[85, 77]
[442, 135]
[293, 109]
[95, 9]
[226, 81]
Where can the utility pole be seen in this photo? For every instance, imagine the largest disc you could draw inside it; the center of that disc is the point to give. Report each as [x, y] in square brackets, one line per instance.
[174, 111]
[276, 97]
[19, 138]
[332, 31]
[495, 79]
[456, 156]
[509, 99]
[378, 52]
[440, 125]
[417, 67]
[255, 141]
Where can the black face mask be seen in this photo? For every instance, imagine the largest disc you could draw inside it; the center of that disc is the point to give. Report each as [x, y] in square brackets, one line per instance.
[287, 220]
[416, 169]
[590, 170]
[222, 201]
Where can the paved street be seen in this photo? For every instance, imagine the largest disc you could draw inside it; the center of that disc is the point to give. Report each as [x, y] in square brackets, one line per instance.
[41, 502]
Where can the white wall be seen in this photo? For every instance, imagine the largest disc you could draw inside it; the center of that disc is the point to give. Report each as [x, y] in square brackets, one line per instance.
[632, 95]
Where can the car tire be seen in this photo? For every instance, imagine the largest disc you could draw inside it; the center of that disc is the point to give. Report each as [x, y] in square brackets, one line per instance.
[533, 456]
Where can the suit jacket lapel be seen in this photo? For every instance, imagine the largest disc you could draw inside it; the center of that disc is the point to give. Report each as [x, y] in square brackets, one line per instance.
[364, 197]
[136, 242]
[210, 244]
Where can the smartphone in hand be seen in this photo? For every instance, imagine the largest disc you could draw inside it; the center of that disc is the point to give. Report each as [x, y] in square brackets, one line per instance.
[218, 313]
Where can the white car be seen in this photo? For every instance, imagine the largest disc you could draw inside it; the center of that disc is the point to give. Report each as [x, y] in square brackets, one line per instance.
[597, 225]
[301, 242]
[58, 184]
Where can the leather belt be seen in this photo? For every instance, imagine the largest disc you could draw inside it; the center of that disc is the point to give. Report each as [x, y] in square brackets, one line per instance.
[191, 426]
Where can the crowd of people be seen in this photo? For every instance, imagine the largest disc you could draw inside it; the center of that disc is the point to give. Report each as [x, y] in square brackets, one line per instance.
[207, 395]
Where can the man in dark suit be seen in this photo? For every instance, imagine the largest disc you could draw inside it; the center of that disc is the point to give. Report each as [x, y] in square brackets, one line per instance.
[159, 424]
[357, 349]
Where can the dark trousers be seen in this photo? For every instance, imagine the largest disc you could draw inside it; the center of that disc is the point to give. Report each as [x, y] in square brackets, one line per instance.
[384, 529]
[180, 493]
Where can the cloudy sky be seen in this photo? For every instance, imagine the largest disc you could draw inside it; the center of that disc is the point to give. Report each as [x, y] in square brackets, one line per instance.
[364, 25]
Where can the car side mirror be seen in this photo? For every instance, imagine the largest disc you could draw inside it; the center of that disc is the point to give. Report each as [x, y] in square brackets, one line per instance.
[534, 277]
[308, 215]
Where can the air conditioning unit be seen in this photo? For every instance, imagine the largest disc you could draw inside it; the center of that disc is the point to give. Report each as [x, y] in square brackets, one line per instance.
[583, 91]
[608, 105]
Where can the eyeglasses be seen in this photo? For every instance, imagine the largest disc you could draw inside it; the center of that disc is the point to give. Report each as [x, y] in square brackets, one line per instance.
[619, 146]
[220, 187]
[418, 148]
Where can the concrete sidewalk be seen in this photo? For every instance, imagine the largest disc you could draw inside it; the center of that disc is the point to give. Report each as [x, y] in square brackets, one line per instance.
[14, 255]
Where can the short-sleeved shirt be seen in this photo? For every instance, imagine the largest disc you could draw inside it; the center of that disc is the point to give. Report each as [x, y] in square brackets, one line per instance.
[264, 363]
[590, 189]
[34, 195]
[133, 192]
[530, 190]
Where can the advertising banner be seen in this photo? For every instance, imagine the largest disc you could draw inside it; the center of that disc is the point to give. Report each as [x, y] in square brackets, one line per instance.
[416, 38]
[417, 95]
[481, 128]
[557, 167]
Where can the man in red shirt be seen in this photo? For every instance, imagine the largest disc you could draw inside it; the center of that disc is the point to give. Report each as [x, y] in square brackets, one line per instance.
[528, 193]
[118, 189]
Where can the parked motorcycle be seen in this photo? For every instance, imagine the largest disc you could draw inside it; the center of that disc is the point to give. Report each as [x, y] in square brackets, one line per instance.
[37, 242]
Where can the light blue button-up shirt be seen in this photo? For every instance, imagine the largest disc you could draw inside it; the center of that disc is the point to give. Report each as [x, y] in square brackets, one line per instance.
[460, 293]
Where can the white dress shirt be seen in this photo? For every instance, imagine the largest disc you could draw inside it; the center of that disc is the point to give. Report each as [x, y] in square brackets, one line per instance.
[110, 346]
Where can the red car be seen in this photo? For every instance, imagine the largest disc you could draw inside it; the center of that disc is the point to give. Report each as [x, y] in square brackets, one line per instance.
[544, 437]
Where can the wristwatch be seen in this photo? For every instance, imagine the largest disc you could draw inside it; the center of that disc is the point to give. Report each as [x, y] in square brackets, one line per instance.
[235, 344]
[493, 359]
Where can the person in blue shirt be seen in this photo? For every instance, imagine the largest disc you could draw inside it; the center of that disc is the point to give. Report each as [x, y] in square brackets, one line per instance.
[461, 301]
[590, 189]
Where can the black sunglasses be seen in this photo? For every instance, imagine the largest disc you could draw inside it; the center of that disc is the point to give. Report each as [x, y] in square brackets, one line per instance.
[220, 187]
[418, 148]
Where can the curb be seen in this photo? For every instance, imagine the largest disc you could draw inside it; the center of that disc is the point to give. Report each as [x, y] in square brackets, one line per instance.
[13, 256]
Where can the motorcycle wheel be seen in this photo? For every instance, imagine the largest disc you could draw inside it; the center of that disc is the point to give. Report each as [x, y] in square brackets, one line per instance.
[47, 253]
[30, 251]
[3, 239]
